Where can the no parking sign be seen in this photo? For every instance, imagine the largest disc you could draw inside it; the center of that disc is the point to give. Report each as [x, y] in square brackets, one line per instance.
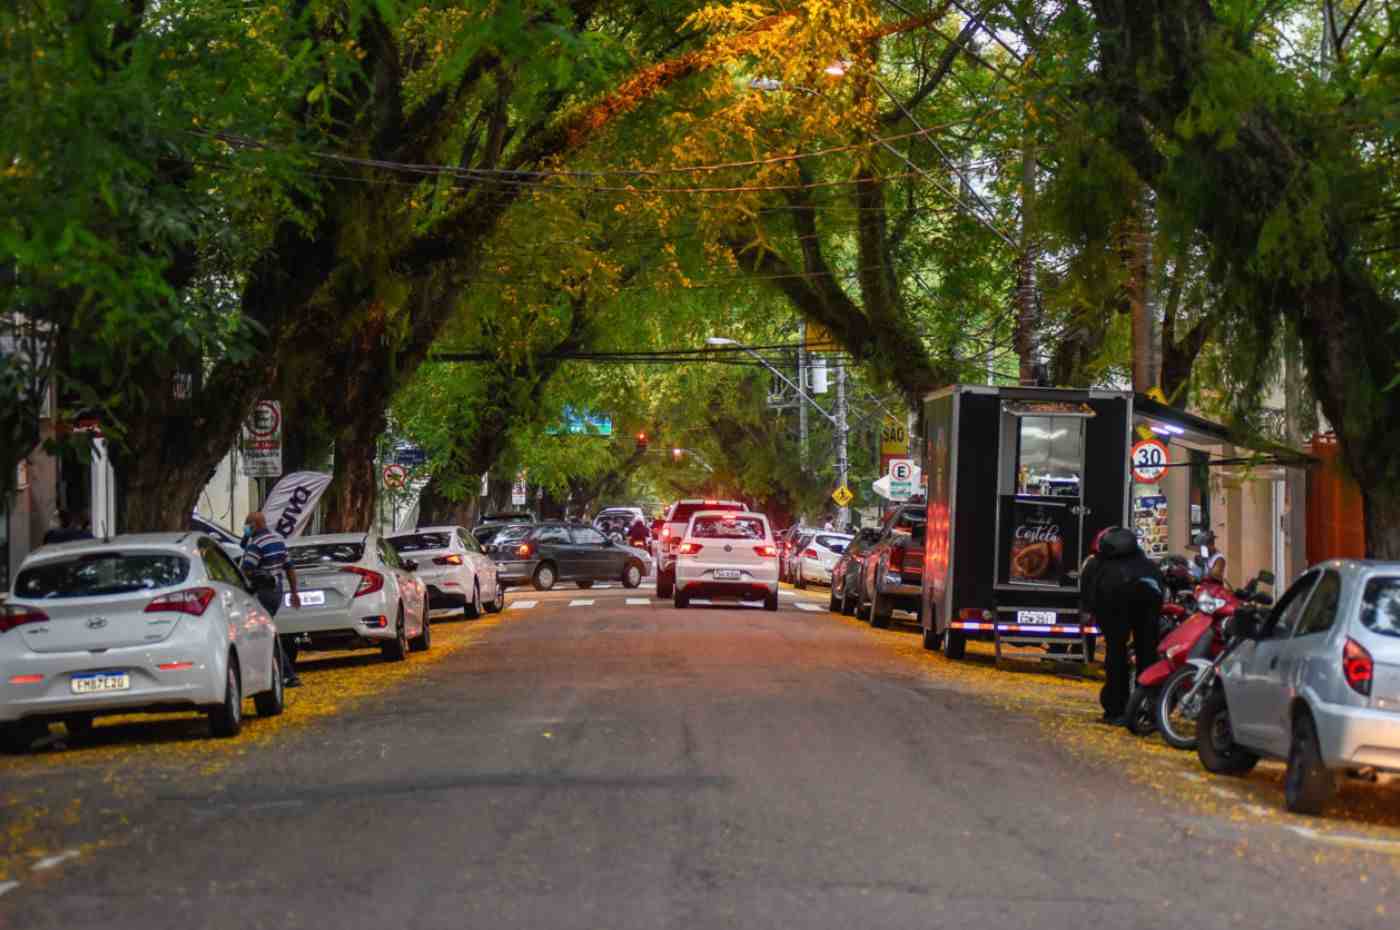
[1149, 458]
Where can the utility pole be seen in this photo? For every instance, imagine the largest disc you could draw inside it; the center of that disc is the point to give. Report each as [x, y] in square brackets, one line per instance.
[843, 518]
[801, 407]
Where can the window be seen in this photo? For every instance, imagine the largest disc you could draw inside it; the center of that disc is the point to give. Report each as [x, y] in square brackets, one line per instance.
[420, 542]
[586, 536]
[836, 544]
[387, 553]
[1050, 455]
[1380, 606]
[218, 565]
[729, 527]
[102, 573]
[344, 553]
[468, 541]
[1290, 608]
[1321, 611]
[552, 534]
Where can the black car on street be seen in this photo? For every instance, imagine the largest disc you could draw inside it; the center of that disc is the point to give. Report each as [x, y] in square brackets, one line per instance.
[554, 552]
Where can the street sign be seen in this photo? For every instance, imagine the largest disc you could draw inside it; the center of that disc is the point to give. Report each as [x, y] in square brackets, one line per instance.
[395, 476]
[894, 437]
[412, 456]
[518, 491]
[901, 471]
[842, 496]
[262, 441]
[1149, 460]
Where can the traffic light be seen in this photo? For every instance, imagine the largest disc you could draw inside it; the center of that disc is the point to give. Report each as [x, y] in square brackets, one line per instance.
[677, 454]
[641, 442]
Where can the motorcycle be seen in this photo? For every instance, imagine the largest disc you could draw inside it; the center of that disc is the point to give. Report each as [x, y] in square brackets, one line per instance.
[1191, 656]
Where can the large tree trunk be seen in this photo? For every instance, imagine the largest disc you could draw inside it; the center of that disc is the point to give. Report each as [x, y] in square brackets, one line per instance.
[350, 499]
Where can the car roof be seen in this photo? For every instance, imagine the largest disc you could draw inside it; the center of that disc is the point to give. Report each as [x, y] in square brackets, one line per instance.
[426, 529]
[729, 513]
[324, 538]
[1359, 568]
[184, 540]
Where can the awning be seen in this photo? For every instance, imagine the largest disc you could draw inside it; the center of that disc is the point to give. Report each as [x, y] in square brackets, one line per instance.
[1173, 423]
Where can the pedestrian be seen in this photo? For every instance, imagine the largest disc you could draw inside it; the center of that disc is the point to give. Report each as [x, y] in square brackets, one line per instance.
[1124, 590]
[265, 562]
[1211, 561]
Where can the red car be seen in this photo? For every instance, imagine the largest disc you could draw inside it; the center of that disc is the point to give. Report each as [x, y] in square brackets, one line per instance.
[893, 567]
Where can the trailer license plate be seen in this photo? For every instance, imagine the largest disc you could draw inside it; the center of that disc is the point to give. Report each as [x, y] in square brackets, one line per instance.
[726, 574]
[95, 682]
[1038, 617]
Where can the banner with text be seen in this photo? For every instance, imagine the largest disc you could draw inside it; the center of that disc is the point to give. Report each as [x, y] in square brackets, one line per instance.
[288, 508]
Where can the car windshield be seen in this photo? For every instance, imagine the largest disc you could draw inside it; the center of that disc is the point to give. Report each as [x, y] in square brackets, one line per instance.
[728, 527]
[96, 574]
[320, 553]
[1380, 606]
[420, 542]
[508, 533]
[836, 544]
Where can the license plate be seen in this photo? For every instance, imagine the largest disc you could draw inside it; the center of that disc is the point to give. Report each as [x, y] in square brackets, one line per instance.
[727, 574]
[308, 598]
[1039, 617]
[95, 682]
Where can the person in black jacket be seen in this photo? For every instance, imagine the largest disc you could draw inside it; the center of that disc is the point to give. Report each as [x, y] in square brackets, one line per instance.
[1124, 590]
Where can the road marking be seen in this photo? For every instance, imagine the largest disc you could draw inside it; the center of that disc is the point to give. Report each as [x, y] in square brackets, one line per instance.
[1351, 841]
[581, 602]
[522, 605]
[702, 602]
[790, 594]
[49, 862]
[7, 887]
[639, 602]
[1225, 793]
[808, 607]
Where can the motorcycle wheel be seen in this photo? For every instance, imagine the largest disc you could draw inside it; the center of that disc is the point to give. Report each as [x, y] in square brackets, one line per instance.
[1176, 723]
[1141, 716]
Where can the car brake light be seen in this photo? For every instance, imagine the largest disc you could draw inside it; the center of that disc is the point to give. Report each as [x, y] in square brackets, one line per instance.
[453, 559]
[192, 601]
[665, 532]
[810, 554]
[690, 548]
[369, 581]
[897, 558]
[523, 550]
[14, 615]
[766, 552]
[1358, 667]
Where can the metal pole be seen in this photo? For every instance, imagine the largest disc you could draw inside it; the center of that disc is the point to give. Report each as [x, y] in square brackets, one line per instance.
[843, 518]
[802, 408]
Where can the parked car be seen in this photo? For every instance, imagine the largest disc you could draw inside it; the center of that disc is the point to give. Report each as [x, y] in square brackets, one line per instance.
[615, 522]
[459, 575]
[1317, 683]
[506, 516]
[231, 543]
[677, 519]
[893, 566]
[502, 538]
[356, 593]
[848, 573]
[552, 552]
[139, 623]
[818, 557]
[728, 555]
[790, 549]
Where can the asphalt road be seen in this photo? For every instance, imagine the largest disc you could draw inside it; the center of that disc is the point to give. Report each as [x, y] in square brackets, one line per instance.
[609, 765]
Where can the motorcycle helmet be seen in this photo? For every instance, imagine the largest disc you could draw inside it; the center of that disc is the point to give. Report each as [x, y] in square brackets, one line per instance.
[1098, 538]
[1116, 542]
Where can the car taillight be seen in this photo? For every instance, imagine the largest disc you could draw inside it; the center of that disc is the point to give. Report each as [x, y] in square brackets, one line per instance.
[453, 559]
[666, 532]
[523, 550]
[810, 554]
[14, 615]
[690, 548]
[369, 581]
[192, 601]
[766, 552]
[896, 558]
[1358, 667]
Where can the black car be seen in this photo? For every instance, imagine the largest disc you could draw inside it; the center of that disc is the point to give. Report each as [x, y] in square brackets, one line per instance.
[554, 552]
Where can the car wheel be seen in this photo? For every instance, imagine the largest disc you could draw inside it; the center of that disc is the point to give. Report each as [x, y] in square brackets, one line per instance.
[396, 649]
[798, 581]
[665, 583]
[471, 607]
[632, 575]
[933, 640]
[545, 577]
[16, 738]
[227, 719]
[955, 644]
[80, 727]
[424, 641]
[1216, 748]
[847, 608]
[862, 608]
[681, 599]
[770, 601]
[272, 701]
[834, 603]
[499, 603]
[1307, 784]
[585, 585]
[879, 612]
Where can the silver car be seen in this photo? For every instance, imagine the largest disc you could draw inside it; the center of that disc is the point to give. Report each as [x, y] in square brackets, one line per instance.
[818, 558]
[459, 575]
[355, 593]
[1316, 683]
[154, 622]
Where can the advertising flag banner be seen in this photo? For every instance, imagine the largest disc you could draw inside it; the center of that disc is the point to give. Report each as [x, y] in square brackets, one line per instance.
[289, 507]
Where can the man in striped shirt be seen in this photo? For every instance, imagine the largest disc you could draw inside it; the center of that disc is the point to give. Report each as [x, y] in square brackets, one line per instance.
[265, 562]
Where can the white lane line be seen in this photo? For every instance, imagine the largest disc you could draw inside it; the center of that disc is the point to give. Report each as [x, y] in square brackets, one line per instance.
[808, 607]
[7, 887]
[49, 862]
[791, 594]
[522, 605]
[701, 601]
[1225, 793]
[581, 602]
[639, 602]
[1349, 840]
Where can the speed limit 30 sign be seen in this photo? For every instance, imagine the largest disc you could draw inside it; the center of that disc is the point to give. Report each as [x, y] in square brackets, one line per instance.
[1149, 460]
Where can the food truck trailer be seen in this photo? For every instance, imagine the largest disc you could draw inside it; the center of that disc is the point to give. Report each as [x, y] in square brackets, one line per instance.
[1020, 481]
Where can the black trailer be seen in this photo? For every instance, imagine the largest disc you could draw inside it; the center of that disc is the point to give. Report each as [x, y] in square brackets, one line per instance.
[1020, 480]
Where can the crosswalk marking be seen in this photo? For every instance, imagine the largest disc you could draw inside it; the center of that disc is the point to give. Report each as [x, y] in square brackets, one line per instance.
[581, 602]
[522, 605]
[638, 601]
[801, 605]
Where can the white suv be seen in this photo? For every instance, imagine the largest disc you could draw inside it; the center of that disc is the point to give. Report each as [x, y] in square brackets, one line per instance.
[673, 527]
[727, 554]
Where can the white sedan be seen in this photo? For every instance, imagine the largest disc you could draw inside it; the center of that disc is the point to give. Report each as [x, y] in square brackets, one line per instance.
[726, 554]
[156, 622]
[458, 574]
[355, 593]
[818, 558]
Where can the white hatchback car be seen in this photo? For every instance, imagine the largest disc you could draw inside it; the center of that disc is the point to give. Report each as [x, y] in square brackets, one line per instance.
[459, 576]
[355, 593]
[156, 622]
[818, 558]
[729, 555]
